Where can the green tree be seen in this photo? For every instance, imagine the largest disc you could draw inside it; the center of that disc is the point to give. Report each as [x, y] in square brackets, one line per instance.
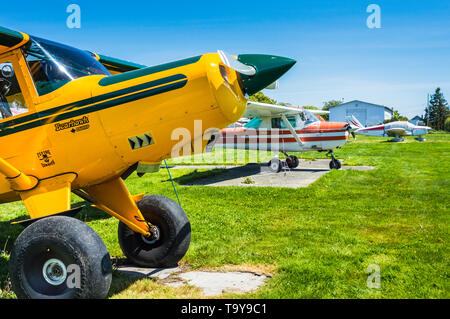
[327, 105]
[437, 111]
[310, 107]
[447, 124]
[260, 97]
[396, 116]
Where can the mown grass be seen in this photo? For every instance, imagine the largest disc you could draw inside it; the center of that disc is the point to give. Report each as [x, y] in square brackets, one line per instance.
[318, 240]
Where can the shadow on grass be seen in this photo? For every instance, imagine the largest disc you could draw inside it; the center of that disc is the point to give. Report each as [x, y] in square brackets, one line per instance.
[123, 280]
[196, 175]
[120, 281]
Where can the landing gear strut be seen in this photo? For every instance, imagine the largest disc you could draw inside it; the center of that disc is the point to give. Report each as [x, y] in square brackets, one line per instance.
[334, 163]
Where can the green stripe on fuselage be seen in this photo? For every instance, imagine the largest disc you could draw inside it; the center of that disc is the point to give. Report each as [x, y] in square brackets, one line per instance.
[91, 100]
[118, 78]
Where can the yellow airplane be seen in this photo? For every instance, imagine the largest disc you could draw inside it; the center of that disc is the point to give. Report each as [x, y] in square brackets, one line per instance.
[75, 121]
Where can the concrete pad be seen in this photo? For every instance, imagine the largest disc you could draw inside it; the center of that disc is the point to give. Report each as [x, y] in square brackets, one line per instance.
[138, 272]
[216, 283]
[212, 283]
[260, 175]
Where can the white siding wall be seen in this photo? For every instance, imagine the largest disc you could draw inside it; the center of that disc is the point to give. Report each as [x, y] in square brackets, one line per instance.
[367, 114]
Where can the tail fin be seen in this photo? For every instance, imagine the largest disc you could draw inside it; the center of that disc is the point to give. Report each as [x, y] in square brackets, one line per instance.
[353, 122]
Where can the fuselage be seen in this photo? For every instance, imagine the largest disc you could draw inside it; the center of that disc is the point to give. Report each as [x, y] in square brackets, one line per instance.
[64, 114]
[316, 136]
[89, 125]
[398, 128]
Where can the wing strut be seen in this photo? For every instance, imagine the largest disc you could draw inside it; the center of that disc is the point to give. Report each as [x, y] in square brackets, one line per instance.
[292, 130]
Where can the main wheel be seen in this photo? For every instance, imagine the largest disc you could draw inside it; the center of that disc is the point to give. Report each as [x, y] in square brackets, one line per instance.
[292, 161]
[275, 165]
[60, 258]
[335, 164]
[170, 241]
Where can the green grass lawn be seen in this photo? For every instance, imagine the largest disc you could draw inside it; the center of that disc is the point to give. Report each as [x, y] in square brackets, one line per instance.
[316, 242]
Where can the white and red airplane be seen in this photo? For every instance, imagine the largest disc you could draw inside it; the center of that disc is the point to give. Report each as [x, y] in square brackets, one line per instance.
[285, 129]
[396, 129]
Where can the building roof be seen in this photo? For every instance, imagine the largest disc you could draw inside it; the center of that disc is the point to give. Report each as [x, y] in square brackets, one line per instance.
[391, 110]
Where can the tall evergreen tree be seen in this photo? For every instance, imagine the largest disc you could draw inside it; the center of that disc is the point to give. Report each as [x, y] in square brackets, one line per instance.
[437, 111]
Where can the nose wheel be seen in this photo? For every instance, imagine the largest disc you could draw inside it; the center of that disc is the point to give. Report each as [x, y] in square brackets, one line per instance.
[334, 163]
[420, 139]
[292, 161]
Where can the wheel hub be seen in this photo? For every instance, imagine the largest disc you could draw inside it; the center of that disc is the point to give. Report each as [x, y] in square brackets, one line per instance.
[54, 271]
[154, 237]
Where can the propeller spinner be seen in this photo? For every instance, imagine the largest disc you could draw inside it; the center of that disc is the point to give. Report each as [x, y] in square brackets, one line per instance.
[258, 71]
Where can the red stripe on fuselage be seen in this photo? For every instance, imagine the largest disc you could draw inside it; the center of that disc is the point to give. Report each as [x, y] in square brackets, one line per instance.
[276, 132]
[246, 139]
[374, 128]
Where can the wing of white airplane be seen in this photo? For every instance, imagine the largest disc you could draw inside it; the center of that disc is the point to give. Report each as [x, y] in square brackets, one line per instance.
[396, 132]
[318, 111]
[257, 109]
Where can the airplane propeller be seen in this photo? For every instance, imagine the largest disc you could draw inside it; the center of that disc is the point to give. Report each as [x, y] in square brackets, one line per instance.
[236, 65]
[258, 71]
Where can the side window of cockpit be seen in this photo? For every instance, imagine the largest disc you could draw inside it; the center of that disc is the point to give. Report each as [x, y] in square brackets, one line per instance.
[276, 122]
[291, 120]
[12, 101]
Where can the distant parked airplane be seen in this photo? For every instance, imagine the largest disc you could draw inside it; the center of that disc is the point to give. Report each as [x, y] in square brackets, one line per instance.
[285, 129]
[396, 129]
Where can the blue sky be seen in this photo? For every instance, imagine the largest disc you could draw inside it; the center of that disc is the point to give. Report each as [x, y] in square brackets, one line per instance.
[338, 56]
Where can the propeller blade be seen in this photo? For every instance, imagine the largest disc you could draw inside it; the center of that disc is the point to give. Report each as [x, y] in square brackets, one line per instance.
[273, 86]
[234, 64]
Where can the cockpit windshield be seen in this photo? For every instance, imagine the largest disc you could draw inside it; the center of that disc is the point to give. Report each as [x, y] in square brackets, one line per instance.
[53, 65]
[308, 117]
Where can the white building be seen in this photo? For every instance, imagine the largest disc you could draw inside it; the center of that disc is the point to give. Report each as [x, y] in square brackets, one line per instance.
[367, 113]
[417, 120]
